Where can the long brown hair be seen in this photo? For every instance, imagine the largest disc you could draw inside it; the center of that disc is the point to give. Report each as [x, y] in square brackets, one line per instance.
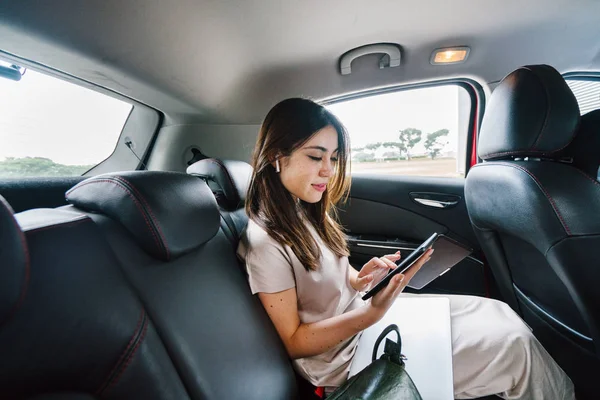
[289, 125]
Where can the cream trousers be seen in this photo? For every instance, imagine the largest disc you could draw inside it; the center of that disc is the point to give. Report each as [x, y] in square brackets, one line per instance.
[495, 352]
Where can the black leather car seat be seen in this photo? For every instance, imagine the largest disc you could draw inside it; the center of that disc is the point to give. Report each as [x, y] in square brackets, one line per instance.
[164, 228]
[71, 327]
[535, 208]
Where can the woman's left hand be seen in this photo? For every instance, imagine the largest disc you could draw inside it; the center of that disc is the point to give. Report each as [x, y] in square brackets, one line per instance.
[375, 270]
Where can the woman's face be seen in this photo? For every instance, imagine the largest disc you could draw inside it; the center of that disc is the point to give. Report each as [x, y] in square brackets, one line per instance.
[306, 172]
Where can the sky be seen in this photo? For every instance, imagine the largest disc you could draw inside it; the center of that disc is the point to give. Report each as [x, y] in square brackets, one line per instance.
[380, 118]
[43, 116]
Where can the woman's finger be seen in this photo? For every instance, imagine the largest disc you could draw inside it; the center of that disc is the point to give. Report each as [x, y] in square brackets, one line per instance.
[394, 257]
[401, 287]
[392, 287]
[373, 263]
[365, 280]
[389, 263]
[380, 263]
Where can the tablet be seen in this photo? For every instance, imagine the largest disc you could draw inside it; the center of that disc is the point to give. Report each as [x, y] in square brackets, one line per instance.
[447, 253]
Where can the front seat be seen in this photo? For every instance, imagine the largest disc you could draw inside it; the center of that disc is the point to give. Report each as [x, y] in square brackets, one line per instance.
[534, 204]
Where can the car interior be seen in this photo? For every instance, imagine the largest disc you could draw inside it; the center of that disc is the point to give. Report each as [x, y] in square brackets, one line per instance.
[126, 135]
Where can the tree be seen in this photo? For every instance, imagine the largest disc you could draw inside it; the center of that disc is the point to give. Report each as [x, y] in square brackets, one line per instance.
[38, 166]
[393, 145]
[435, 142]
[373, 146]
[409, 137]
[363, 157]
[396, 145]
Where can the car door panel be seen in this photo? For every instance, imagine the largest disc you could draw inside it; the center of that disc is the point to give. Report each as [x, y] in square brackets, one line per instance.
[391, 221]
[382, 215]
[27, 193]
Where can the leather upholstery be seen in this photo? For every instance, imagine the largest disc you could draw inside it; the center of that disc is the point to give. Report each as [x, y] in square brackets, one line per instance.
[537, 218]
[14, 264]
[585, 148]
[80, 331]
[232, 177]
[143, 202]
[550, 212]
[532, 113]
[104, 317]
[229, 180]
[527, 202]
[216, 332]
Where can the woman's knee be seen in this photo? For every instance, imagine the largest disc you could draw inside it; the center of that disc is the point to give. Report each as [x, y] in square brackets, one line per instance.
[514, 337]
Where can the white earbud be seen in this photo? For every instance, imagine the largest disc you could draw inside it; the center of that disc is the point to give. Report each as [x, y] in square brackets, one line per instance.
[277, 169]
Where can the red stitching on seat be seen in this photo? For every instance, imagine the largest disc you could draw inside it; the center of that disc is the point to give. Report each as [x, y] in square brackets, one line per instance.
[131, 355]
[154, 219]
[106, 384]
[587, 176]
[545, 193]
[137, 204]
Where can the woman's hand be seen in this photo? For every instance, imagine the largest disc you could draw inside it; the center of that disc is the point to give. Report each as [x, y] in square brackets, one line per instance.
[374, 271]
[383, 300]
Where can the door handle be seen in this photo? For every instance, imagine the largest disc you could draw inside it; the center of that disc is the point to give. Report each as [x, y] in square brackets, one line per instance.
[435, 200]
[435, 203]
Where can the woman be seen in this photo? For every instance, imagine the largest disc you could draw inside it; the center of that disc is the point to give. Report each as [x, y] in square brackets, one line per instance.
[296, 258]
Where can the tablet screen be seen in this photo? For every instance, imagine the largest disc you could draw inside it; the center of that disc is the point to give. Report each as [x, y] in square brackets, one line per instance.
[447, 253]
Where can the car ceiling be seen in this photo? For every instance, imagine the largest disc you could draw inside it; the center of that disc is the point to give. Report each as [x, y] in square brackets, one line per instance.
[229, 61]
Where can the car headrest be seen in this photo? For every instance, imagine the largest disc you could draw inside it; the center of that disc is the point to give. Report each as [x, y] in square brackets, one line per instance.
[532, 113]
[585, 148]
[229, 180]
[14, 263]
[168, 213]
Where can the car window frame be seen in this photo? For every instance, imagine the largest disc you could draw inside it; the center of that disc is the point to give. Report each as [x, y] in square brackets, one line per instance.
[476, 95]
[141, 125]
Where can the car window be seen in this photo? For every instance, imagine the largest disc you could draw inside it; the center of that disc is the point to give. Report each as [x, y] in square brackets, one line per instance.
[419, 132]
[587, 93]
[51, 127]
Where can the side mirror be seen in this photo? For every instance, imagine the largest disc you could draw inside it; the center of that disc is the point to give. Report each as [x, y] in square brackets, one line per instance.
[12, 72]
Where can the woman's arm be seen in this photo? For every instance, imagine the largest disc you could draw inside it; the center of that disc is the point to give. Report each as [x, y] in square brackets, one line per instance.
[305, 340]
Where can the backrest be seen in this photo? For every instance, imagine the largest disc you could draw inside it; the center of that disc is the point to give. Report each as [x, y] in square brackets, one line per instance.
[216, 332]
[70, 324]
[229, 181]
[533, 207]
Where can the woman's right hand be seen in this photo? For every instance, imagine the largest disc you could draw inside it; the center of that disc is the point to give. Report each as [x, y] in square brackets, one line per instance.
[383, 300]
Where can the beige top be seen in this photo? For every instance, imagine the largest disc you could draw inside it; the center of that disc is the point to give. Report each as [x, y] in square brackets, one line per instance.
[321, 294]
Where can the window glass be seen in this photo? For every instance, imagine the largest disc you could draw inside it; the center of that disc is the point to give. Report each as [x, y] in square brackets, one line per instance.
[50, 127]
[587, 94]
[420, 132]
